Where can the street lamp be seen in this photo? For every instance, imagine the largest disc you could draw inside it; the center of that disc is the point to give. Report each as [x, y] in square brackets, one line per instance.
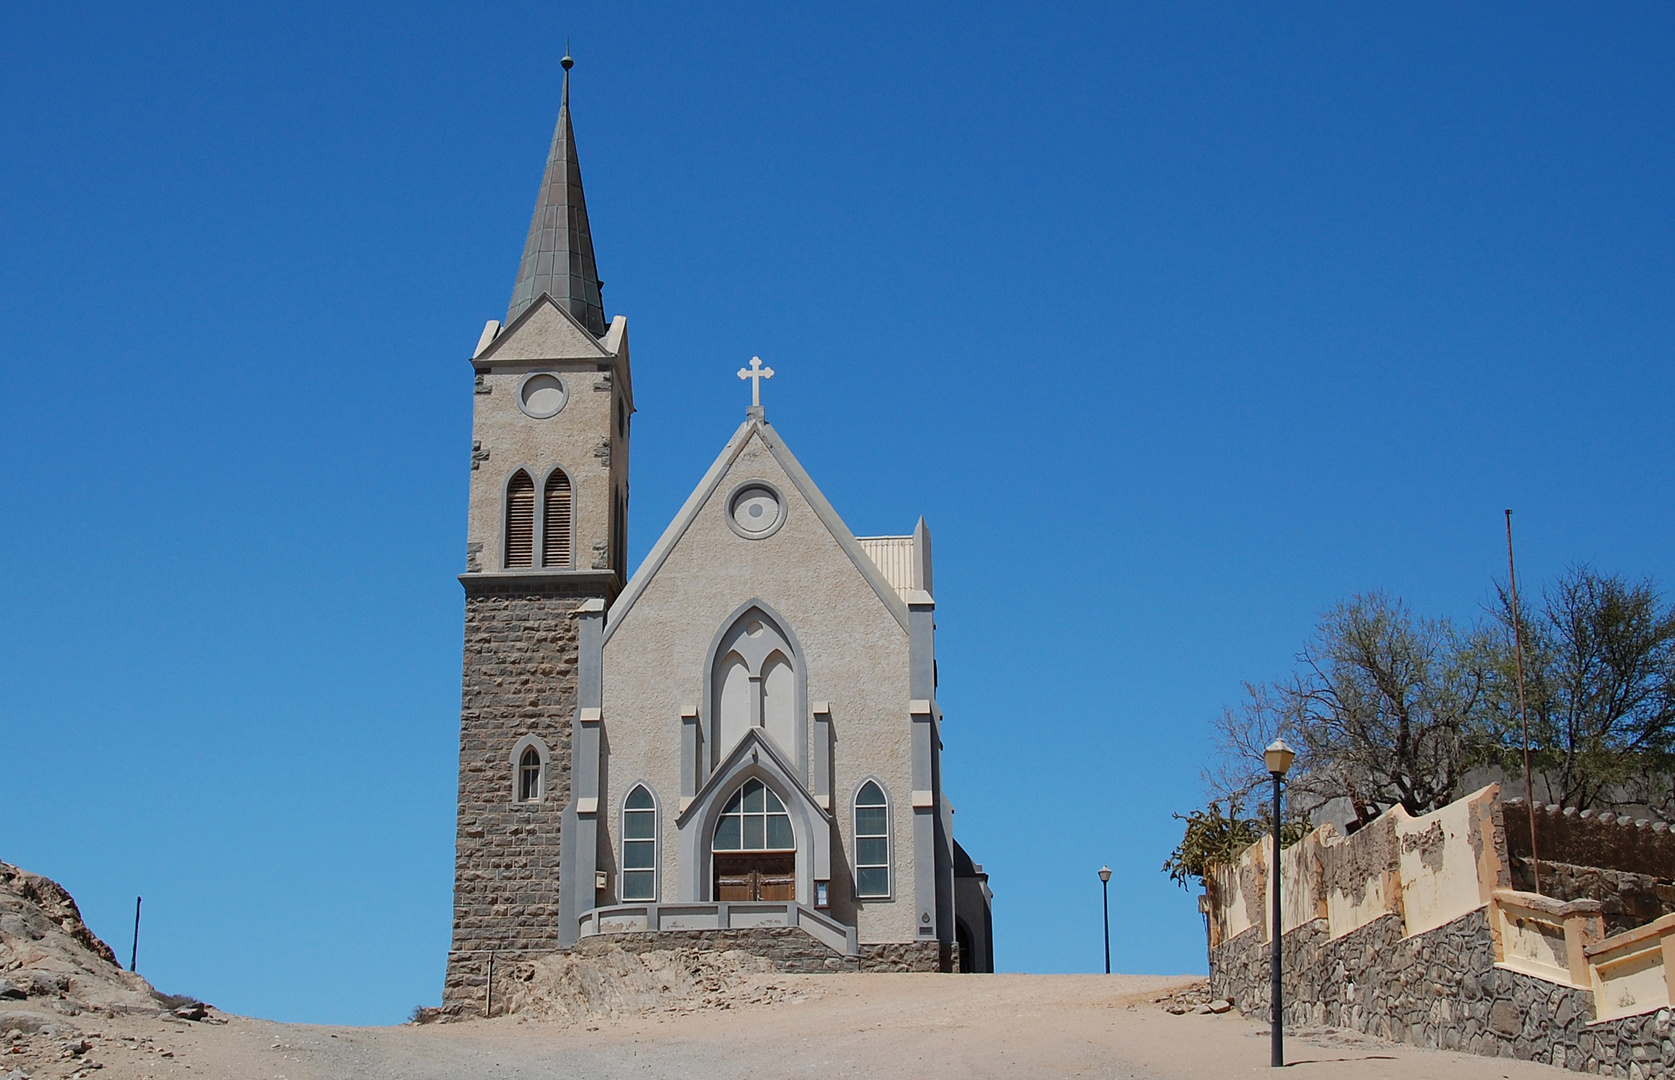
[1277, 757]
[1105, 901]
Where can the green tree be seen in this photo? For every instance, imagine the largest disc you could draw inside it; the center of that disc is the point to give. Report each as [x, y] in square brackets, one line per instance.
[1599, 673]
[1213, 838]
[1381, 711]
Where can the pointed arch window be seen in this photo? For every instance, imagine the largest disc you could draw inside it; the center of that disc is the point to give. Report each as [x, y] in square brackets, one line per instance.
[520, 521]
[639, 845]
[872, 842]
[556, 505]
[529, 776]
[754, 819]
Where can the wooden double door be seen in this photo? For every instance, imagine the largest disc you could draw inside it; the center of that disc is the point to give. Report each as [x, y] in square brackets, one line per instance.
[756, 876]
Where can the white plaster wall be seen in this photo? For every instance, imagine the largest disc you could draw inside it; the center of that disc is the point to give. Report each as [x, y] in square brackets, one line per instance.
[1375, 897]
[1445, 864]
[1236, 912]
[1439, 881]
[1300, 878]
[857, 658]
[546, 343]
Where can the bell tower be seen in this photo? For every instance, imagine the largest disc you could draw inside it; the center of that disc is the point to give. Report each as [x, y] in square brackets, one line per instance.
[546, 552]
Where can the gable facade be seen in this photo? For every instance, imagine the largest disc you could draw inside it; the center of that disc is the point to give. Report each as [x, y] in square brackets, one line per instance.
[666, 656]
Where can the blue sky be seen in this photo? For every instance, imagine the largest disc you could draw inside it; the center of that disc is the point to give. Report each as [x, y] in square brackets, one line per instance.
[1177, 325]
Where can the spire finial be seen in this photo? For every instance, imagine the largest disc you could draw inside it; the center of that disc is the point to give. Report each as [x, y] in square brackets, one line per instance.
[558, 256]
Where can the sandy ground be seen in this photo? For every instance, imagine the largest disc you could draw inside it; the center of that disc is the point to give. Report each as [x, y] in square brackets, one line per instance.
[870, 1026]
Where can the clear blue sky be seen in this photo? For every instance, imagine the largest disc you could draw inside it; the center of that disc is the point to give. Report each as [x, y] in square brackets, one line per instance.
[1177, 327]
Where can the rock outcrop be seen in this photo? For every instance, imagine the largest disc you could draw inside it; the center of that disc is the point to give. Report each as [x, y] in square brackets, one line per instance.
[51, 962]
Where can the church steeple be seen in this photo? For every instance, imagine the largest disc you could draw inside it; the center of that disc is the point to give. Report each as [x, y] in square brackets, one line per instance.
[558, 256]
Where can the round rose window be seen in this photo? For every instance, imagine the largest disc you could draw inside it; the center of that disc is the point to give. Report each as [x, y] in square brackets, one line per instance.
[755, 511]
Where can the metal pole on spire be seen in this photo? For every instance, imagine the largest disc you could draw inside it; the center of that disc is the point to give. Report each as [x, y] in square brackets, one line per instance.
[1523, 718]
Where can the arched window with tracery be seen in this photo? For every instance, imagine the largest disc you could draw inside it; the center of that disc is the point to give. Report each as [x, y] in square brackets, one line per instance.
[872, 842]
[529, 776]
[639, 845]
[556, 506]
[520, 521]
[755, 849]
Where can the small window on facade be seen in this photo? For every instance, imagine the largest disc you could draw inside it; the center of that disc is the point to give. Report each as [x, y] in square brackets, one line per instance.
[529, 776]
[639, 846]
[555, 521]
[754, 820]
[872, 842]
[520, 521]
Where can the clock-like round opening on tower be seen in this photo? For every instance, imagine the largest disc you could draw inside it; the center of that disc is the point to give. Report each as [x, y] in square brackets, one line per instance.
[542, 395]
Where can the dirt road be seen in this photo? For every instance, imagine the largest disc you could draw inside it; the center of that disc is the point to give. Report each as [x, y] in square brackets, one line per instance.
[876, 1027]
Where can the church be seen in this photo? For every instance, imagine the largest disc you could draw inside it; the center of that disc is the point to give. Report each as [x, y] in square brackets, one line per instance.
[736, 746]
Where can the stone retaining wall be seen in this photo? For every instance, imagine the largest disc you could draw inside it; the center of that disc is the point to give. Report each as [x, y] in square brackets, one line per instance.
[1439, 989]
[1590, 838]
[788, 948]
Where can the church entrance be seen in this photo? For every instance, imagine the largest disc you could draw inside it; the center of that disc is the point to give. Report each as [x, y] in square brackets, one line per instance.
[756, 877]
[755, 849]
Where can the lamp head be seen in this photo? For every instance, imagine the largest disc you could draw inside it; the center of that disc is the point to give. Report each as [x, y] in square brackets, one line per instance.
[1104, 873]
[1278, 757]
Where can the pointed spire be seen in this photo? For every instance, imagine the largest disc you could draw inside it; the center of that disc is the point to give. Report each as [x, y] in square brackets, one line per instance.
[558, 256]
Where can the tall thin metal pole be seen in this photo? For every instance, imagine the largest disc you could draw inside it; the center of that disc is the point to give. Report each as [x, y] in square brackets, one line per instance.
[488, 1003]
[1523, 718]
[1276, 1024]
[134, 957]
[1105, 902]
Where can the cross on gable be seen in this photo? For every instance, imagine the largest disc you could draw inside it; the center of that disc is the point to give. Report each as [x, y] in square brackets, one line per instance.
[756, 373]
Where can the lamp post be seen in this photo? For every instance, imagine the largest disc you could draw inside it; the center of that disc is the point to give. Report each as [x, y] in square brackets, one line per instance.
[1105, 902]
[1277, 757]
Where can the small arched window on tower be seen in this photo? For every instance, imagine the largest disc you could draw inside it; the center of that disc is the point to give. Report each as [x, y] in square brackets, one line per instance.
[619, 551]
[639, 845]
[555, 520]
[520, 521]
[529, 776]
[872, 842]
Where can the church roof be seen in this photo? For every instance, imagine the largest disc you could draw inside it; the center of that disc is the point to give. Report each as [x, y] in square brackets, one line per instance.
[558, 255]
[757, 426]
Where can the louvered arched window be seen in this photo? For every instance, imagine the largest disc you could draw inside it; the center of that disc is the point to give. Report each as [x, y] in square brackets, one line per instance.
[555, 521]
[520, 521]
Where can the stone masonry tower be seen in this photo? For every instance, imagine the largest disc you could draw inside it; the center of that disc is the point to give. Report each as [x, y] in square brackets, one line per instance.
[545, 553]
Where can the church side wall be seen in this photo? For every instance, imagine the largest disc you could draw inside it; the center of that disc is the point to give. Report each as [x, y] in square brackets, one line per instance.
[519, 679]
[856, 654]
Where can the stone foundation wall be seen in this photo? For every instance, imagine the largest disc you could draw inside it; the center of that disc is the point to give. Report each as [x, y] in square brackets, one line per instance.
[911, 956]
[1593, 838]
[788, 948]
[1627, 900]
[519, 679]
[1438, 989]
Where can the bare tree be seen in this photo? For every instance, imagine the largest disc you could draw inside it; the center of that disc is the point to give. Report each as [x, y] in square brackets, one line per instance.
[1380, 711]
[1599, 666]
